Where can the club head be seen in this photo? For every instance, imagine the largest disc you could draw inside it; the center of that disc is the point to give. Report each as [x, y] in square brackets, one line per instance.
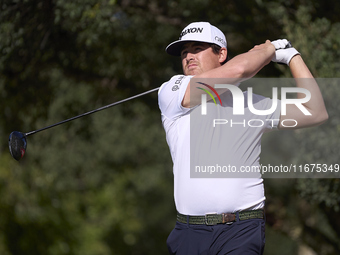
[17, 144]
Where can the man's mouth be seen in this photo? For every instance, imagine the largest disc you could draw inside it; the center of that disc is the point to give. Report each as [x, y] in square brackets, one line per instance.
[191, 65]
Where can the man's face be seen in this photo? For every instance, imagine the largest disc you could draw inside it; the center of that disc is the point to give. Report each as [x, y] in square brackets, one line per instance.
[198, 58]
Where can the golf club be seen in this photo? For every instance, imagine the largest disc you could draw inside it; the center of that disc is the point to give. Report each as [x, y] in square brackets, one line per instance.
[17, 140]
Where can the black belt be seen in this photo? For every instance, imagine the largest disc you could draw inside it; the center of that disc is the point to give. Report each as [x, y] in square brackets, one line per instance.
[224, 218]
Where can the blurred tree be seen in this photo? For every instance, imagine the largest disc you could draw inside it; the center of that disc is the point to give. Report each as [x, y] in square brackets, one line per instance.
[103, 184]
[315, 202]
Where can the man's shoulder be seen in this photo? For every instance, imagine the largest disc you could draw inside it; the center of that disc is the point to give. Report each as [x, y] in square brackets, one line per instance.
[171, 94]
[175, 82]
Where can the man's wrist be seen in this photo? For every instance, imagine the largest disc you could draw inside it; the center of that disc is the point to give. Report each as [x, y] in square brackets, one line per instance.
[271, 52]
[295, 59]
[271, 48]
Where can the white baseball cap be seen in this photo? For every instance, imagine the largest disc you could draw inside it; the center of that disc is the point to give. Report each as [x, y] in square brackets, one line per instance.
[197, 32]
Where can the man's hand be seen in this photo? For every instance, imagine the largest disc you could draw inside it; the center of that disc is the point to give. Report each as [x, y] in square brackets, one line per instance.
[267, 45]
[281, 44]
[284, 52]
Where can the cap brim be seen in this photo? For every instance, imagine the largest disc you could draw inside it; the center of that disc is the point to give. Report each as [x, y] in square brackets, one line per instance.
[175, 48]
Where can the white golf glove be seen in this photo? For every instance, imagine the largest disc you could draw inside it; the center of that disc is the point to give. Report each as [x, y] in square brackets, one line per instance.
[284, 51]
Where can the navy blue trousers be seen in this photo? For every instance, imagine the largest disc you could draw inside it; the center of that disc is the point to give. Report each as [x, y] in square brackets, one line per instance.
[245, 237]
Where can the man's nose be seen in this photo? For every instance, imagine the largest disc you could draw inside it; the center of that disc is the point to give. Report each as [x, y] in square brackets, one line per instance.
[190, 56]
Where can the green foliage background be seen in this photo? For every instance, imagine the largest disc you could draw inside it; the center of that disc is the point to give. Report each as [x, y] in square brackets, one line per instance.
[103, 184]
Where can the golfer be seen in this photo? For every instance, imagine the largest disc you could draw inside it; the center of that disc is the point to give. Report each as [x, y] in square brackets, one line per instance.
[224, 215]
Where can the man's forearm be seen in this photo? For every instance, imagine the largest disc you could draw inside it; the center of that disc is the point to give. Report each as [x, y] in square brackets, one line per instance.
[298, 68]
[245, 65]
[254, 60]
[304, 79]
[238, 69]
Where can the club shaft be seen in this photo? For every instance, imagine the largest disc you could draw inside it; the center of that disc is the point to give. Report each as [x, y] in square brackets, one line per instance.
[90, 112]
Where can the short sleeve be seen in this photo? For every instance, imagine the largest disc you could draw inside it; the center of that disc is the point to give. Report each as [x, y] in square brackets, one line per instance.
[171, 94]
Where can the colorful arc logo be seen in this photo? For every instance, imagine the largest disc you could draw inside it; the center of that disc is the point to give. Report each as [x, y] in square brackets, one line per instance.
[212, 89]
[204, 97]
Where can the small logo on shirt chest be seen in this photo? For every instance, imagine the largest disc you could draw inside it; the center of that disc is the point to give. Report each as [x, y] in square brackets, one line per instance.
[178, 82]
[175, 87]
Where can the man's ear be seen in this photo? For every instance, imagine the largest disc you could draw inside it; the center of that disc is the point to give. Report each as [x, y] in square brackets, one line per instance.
[223, 54]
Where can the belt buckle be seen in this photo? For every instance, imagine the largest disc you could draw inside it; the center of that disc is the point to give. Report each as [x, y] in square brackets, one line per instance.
[209, 220]
[228, 218]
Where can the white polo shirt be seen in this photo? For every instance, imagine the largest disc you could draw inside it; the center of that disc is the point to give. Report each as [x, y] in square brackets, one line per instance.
[198, 196]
